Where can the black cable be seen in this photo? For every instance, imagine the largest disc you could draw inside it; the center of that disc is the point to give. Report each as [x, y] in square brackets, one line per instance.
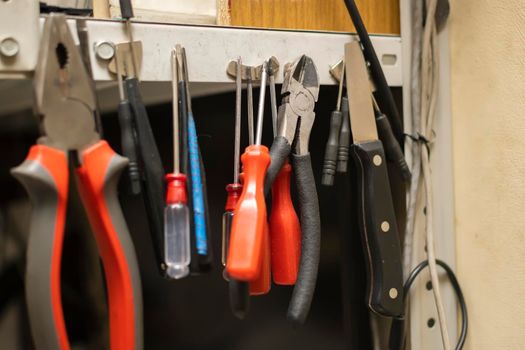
[397, 330]
[385, 98]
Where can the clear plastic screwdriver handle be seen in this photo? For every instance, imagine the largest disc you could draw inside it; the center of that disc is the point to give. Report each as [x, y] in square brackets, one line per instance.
[177, 240]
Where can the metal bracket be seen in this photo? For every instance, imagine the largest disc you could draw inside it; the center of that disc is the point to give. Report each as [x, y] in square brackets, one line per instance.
[19, 36]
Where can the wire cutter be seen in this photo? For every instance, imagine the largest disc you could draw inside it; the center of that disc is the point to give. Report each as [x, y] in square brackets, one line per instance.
[295, 120]
[65, 104]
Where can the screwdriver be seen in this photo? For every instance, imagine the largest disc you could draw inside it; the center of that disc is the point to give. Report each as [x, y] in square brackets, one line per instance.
[245, 254]
[126, 133]
[234, 189]
[344, 138]
[176, 213]
[126, 11]
[197, 188]
[332, 145]
[262, 284]
[285, 229]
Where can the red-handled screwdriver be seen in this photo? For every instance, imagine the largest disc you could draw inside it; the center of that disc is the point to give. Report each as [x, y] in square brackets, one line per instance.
[285, 229]
[245, 254]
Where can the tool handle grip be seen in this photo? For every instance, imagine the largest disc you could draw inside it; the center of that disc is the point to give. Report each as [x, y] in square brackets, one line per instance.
[344, 138]
[247, 235]
[378, 228]
[44, 175]
[311, 239]
[285, 231]
[197, 188]
[98, 177]
[332, 146]
[129, 145]
[126, 9]
[239, 293]
[279, 152]
[263, 283]
[151, 168]
[393, 150]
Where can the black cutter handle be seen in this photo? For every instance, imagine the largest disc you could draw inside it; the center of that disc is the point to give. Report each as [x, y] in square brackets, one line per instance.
[378, 228]
[304, 288]
[151, 170]
[279, 152]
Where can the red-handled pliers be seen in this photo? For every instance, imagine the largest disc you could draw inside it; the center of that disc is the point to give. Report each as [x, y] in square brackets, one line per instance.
[65, 103]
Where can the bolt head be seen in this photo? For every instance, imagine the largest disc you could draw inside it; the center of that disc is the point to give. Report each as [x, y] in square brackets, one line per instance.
[385, 226]
[9, 47]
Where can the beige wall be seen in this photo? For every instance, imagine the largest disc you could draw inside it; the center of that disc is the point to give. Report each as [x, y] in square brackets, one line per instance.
[488, 112]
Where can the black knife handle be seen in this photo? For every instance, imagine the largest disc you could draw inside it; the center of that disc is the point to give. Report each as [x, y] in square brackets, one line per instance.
[332, 145]
[378, 228]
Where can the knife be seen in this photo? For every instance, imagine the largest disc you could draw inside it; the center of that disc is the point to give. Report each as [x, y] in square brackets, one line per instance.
[377, 220]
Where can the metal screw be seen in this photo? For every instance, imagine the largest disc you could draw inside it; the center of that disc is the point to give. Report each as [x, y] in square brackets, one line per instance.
[105, 50]
[392, 293]
[377, 160]
[385, 226]
[9, 47]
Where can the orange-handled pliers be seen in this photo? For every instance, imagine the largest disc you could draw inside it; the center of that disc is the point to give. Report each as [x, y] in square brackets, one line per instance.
[65, 103]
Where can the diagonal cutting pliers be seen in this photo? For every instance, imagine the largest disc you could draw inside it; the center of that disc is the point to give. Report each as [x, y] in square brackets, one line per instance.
[65, 104]
[295, 120]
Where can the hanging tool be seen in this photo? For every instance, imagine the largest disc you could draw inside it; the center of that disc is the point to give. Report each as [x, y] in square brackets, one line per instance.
[247, 240]
[238, 290]
[176, 214]
[285, 229]
[262, 284]
[296, 117]
[393, 150]
[376, 211]
[193, 166]
[65, 103]
[127, 134]
[126, 11]
[332, 145]
[384, 92]
[344, 138]
[337, 72]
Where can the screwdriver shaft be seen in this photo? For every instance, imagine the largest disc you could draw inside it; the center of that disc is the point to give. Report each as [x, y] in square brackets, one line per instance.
[273, 100]
[238, 97]
[340, 92]
[250, 107]
[260, 111]
[175, 89]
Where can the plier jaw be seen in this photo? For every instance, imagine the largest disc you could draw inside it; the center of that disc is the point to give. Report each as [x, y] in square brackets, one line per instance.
[300, 92]
[64, 97]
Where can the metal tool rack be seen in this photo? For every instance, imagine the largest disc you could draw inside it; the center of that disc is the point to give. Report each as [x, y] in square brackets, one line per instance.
[209, 49]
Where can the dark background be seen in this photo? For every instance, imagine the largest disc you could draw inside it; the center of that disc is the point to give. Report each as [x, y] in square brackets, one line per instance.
[194, 313]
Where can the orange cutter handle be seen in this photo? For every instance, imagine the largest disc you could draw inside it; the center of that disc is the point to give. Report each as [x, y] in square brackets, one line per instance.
[246, 241]
[44, 174]
[285, 231]
[98, 176]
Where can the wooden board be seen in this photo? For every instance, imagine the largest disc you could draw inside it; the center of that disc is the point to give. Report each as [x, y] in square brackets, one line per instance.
[379, 16]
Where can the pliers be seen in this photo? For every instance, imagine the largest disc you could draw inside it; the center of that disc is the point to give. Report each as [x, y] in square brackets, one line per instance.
[65, 105]
[295, 120]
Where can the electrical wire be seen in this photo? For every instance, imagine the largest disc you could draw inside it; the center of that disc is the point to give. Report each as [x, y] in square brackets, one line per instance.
[397, 338]
[429, 91]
